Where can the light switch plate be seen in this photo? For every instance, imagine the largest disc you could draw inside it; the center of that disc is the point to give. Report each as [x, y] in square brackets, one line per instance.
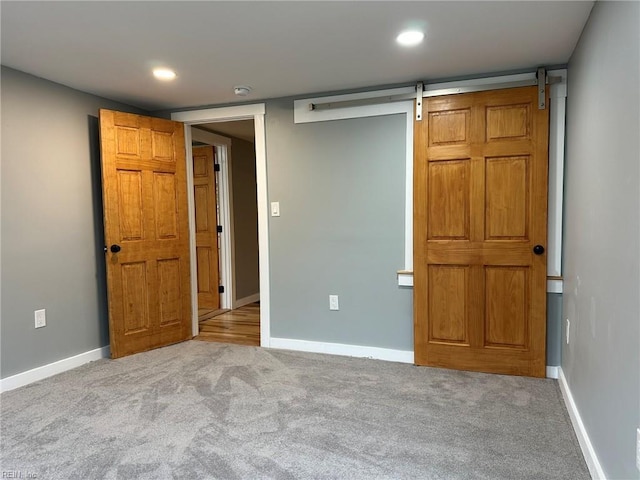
[275, 209]
[333, 302]
[41, 318]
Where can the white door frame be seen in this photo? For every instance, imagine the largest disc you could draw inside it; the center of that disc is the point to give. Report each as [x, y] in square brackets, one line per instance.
[227, 114]
[224, 202]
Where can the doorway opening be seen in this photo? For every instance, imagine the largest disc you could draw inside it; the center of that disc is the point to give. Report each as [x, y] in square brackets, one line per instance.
[226, 231]
[255, 112]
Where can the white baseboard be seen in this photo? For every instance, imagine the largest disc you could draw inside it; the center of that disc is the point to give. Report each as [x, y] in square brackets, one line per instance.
[403, 356]
[597, 473]
[241, 302]
[552, 372]
[30, 376]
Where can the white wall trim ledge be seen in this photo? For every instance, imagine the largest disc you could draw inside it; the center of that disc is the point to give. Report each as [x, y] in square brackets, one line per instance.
[40, 373]
[402, 356]
[595, 469]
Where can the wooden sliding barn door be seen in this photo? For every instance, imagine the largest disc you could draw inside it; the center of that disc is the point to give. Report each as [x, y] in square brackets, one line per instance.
[146, 231]
[480, 229]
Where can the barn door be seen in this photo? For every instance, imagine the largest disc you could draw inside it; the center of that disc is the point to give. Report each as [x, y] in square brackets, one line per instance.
[480, 217]
[146, 231]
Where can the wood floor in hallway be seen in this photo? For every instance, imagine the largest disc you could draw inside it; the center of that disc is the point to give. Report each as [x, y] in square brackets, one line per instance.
[240, 326]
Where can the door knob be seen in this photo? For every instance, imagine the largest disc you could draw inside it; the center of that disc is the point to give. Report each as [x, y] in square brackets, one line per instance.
[538, 249]
[115, 248]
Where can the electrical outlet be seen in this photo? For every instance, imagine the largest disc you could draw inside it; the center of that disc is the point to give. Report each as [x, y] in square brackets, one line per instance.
[41, 318]
[638, 448]
[333, 302]
[568, 328]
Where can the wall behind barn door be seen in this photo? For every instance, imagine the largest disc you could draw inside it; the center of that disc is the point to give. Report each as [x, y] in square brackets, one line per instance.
[340, 185]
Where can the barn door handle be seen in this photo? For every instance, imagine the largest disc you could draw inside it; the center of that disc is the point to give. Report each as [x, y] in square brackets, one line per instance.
[538, 249]
[115, 248]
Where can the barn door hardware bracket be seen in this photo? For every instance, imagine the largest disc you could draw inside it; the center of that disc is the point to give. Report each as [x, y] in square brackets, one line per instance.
[419, 90]
[541, 76]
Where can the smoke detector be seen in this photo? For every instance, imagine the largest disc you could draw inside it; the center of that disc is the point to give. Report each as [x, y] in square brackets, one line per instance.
[241, 90]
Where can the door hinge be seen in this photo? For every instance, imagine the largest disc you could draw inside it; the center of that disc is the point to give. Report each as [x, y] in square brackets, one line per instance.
[216, 167]
[221, 289]
[541, 76]
[219, 228]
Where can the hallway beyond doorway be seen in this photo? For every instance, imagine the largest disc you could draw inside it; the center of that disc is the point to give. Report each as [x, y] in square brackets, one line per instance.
[240, 326]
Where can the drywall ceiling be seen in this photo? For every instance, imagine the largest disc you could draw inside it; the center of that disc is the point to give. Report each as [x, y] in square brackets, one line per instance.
[277, 48]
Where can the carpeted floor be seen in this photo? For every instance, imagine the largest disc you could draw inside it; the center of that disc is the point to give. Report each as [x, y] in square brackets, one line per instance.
[207, 410]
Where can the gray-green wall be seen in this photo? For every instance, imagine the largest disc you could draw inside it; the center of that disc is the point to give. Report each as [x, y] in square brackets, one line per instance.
[245, 218]
[52, 233]
[602, 234]
[341, 188]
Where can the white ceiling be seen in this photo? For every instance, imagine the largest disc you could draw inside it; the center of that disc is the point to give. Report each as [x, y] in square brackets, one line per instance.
[277, 48]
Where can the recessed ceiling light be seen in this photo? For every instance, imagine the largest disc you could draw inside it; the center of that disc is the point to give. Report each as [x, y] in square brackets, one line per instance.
[410, 38]
[164, 74]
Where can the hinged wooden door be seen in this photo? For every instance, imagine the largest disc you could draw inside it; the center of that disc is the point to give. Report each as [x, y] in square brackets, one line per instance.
[146, 231]
[480, 210]
[204, 184]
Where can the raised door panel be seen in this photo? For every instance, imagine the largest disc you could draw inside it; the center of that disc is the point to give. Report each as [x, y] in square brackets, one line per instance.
[162, 146]
[448, 309]
[448, 127]
[200, 166]
[169, 291]
[507, 307]
[508, 122]
[128, 142]
[165, 205]
[202, 201]
[448, 201]
[203, 257]
[135, 298]
[507, 198]
[130, 203]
